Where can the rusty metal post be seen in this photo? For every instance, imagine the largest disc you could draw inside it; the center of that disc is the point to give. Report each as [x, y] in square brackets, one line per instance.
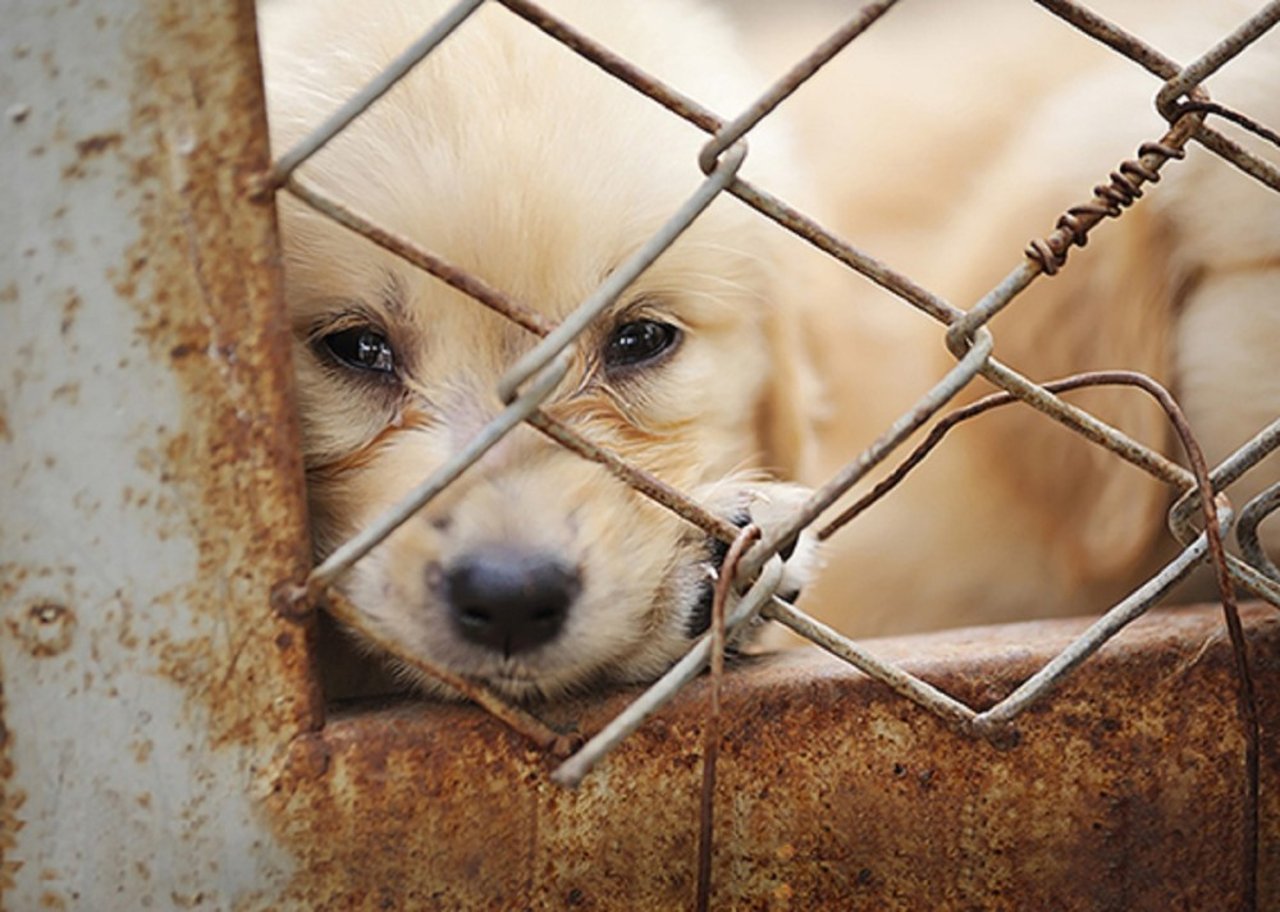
[148, 461]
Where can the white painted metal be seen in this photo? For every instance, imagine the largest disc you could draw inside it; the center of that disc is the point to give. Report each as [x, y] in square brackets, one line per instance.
[128, 618]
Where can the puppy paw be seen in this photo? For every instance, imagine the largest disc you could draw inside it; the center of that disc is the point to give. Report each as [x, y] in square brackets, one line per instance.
[769, 505]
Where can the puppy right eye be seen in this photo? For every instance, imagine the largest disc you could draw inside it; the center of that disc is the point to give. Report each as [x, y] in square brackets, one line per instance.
[639, 342]
[361, 348]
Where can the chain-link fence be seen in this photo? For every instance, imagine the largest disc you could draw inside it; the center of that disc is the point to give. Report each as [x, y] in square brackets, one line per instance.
[1200, 520]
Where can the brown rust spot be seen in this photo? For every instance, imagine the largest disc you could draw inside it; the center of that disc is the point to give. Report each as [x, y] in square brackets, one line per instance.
[44, 629]
[51, 69]
[187, 900]
[11, 801]
[96, 145]
[142, 750]
[308, 757]
[71, 307]
[68, 392]
[202, 279]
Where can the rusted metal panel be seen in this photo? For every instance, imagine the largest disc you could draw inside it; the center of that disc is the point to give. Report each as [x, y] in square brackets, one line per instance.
[152, 492]
[1125, 790]
[162, 742]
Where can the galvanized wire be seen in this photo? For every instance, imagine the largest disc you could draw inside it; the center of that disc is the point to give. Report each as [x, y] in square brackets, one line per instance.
[1129, 609]
[903, 683]
[1140, 52]
[621, 278]
[413, 254]
[541, 370]
[357, 547]
[360, 102]
[907, 424]
[516, 718]
[712, 734]
[575, 769]
[1213, 59]
[795, 77]
[1254, 512]
[1186, 81]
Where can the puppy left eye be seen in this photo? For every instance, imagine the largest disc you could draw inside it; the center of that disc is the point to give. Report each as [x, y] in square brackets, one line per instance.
[638, 342]
[362, 348]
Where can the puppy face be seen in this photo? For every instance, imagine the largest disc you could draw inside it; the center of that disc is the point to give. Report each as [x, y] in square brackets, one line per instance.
[513, 159]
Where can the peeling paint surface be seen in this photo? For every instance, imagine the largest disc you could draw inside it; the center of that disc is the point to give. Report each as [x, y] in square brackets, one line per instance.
[151, 488]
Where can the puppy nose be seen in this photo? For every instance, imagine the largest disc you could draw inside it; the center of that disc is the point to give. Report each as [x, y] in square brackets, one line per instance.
[508, 599]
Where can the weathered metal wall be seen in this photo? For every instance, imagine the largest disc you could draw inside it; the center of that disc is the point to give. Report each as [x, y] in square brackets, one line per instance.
[1124, 791]
[150, 479]
[162, 742]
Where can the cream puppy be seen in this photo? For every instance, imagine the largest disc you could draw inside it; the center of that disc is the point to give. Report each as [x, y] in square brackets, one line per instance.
[741, 355]
[512, 158]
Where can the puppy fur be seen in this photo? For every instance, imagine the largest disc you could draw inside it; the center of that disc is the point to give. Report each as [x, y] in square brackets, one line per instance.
[511, 158]
[987, 142]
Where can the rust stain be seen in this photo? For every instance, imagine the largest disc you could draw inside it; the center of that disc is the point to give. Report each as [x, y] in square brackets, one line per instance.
[1123, 792]
[11, 801]
[225, 475]
[202, 279]
[187, 900]
[189, 663]
[68, 392]
[96, 145]
[71, 308]
[142, 750]
[45, 629]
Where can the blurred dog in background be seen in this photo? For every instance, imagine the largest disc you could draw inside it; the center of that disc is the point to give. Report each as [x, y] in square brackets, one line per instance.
[955, 146]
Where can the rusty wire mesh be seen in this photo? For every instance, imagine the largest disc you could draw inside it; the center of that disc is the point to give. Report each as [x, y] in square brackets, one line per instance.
[758, 568]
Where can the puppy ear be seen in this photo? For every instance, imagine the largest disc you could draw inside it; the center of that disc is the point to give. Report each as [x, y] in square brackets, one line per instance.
[1112, 307]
